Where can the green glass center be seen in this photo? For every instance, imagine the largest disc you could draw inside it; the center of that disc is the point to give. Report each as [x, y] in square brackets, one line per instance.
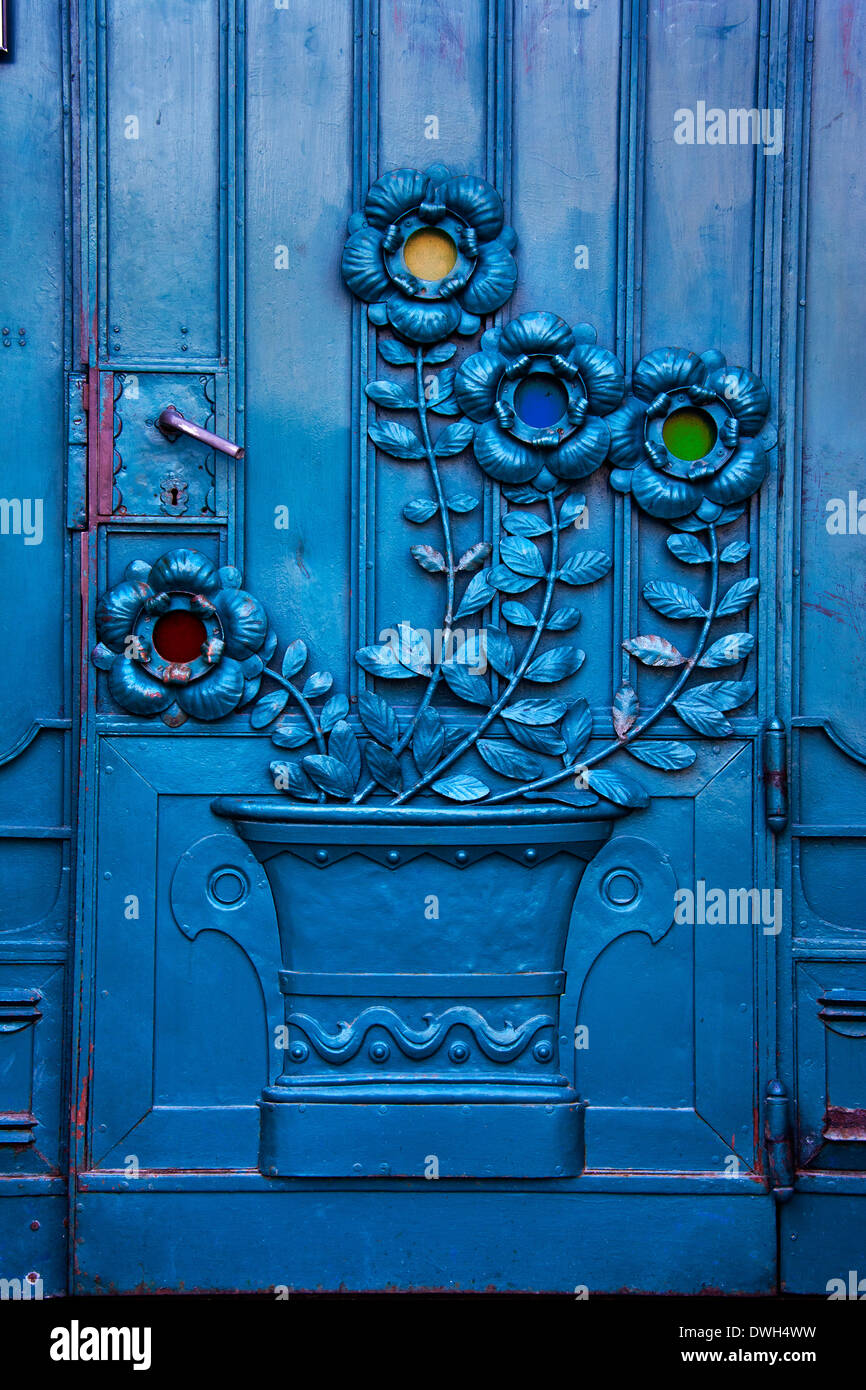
[689, 433]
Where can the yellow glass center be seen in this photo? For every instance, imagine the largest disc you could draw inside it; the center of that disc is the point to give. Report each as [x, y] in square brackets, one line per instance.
[429, 254]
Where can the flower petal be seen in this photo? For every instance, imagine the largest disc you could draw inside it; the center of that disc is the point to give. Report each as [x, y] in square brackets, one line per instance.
[393, 195]
[421, 322]
[493, 279]
[603, 377]
[214, 695]
[667, 369]
[745, 395]
[186, 570]
[117, 611]
[503, 457]
[476, 201]
[626, 427]
[582, 453]
[477, 382]
[741, 476]
[662, 496]
[244, 622]
[363, 268]
[137, 691]
[537, 331]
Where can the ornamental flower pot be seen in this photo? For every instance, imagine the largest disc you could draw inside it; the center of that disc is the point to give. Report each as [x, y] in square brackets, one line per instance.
[422, 952]
[423, 937]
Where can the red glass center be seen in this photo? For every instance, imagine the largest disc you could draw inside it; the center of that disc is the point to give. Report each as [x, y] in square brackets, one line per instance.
[178, 636]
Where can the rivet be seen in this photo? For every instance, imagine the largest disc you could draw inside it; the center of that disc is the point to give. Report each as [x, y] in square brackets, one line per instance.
[356, 1168]
[461, 856]
[107, 874]
[116, 328]
[393, 856]
[458, 1052]
[384, 1169]
[379, 1051]
[184, 347]
[322, 856]
[34, 1225]
[530, 855]
[383, 1109]
[542, 1051]
[184, 329]
[299, 1052]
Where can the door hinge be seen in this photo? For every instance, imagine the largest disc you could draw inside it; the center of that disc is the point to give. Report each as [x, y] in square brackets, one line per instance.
[779, 1142]
[776, 775]
[76, 451]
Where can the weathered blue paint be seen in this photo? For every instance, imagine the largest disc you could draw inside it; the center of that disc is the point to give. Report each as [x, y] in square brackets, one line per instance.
[177, 188]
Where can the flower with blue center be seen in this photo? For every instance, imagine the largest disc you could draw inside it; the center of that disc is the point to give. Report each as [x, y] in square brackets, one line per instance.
[539, 390]
[179, 638]
[430, 253]
[690, 444]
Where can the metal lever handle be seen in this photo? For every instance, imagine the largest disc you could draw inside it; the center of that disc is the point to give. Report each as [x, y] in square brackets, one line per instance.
[171, 423]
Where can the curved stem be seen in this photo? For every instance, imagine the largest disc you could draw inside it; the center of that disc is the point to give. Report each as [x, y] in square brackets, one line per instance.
[641, 727]
[448, 547]
[515, 680]
[304, 704]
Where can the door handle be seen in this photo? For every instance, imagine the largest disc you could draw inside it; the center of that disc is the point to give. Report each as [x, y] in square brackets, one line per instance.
[171, 423]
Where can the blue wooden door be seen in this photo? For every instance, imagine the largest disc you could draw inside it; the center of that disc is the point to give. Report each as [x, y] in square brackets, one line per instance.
[173, 238]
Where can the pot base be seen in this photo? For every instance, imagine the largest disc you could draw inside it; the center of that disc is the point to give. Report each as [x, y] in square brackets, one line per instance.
[432, 1139]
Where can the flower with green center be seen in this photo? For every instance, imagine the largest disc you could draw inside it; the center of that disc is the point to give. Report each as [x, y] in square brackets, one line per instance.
[179, 638]
[539, 390]
[430, 253]
[690, 444]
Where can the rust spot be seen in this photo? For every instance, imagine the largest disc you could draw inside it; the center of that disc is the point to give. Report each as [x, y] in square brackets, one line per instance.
[845, 1125]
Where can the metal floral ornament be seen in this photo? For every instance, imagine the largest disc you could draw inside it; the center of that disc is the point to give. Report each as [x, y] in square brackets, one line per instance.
[690, 444]
[430, 253]
[538, 390]
[180, 638]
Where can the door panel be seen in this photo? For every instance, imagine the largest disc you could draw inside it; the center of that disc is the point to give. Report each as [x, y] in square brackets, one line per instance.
[214, 153]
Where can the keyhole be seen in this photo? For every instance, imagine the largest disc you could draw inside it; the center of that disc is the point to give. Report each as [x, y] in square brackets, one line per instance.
[174, 497]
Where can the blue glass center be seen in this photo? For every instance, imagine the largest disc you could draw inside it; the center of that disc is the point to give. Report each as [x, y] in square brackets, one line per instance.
[540, 400]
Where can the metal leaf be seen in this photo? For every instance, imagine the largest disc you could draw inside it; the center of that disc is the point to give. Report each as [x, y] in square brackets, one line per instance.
[509, 761]
[576, 729]
[396, 352]
[318, 684]
[474, 557]
[673, 600]
[703, 716]
[382, 661]
[738, 597]
[556, 664]
[336, 709]
[615, 787]
[585, 567]
[344, 746]
[541, 740]
[735, 552]
[462, 682]
[378, 718]
[654, 651]
[505, 579]
[479, 592]
[442, 352]
[725, 695]
[395, 439]
[297, 782]
[454, 439]
[420, 509]
[624, 710]
[383, 767]
[726, 651]
[518, 615]
[462, 502]
[291, 735]
[388, 393]
[524, 524]
[268, 707]
[522, 556]
[429, 559]
[535, 711]
[571, 509]
[294, 658]
[668, 755]
[331, 775]
[499, 651]
[428, 741]
[688, 549]
[563, 620]
[461, 788]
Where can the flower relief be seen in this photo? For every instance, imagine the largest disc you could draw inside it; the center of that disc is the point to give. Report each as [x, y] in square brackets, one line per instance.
[541, 407]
